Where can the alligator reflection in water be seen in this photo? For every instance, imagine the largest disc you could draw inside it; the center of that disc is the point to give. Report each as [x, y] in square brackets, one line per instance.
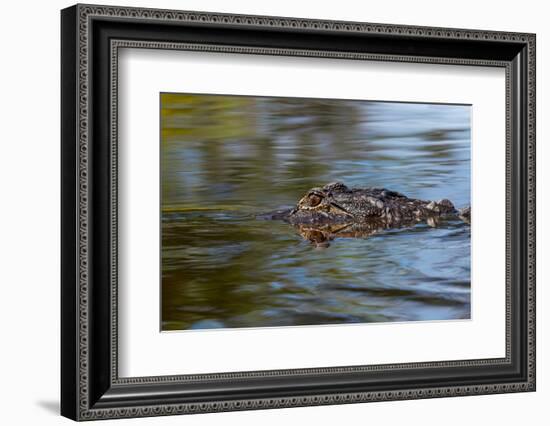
[322, 235]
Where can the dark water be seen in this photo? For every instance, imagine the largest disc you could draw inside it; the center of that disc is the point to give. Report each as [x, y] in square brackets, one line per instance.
[227, 159]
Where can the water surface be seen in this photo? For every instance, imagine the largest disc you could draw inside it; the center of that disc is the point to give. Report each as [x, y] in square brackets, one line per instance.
[226, 159]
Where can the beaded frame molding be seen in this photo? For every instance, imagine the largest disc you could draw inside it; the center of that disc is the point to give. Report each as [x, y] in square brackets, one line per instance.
[91, 39]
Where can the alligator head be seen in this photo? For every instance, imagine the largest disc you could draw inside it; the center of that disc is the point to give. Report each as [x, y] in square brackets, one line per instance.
[335, 210]
[329, 204]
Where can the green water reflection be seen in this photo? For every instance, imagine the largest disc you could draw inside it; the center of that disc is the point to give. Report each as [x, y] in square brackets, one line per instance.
[225, 159]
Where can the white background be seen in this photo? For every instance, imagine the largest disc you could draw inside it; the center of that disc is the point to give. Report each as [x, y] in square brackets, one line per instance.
[146, 352]
[29, 218]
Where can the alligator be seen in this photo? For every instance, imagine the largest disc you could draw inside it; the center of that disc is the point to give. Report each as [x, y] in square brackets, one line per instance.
[335, 210]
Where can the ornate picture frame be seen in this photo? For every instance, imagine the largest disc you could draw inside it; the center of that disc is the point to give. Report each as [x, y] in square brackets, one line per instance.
[91, 37]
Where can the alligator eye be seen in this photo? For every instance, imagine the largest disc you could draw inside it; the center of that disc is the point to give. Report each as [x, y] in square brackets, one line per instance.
[314, 200]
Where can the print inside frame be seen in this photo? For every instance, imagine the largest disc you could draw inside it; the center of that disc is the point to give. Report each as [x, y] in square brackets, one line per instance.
[103, 379]
[226, 160]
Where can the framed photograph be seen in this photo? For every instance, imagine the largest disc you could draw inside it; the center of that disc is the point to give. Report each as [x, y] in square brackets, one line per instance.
[263, 212]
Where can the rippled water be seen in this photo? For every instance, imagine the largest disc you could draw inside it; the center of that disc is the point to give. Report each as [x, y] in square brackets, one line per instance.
[227, 159]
